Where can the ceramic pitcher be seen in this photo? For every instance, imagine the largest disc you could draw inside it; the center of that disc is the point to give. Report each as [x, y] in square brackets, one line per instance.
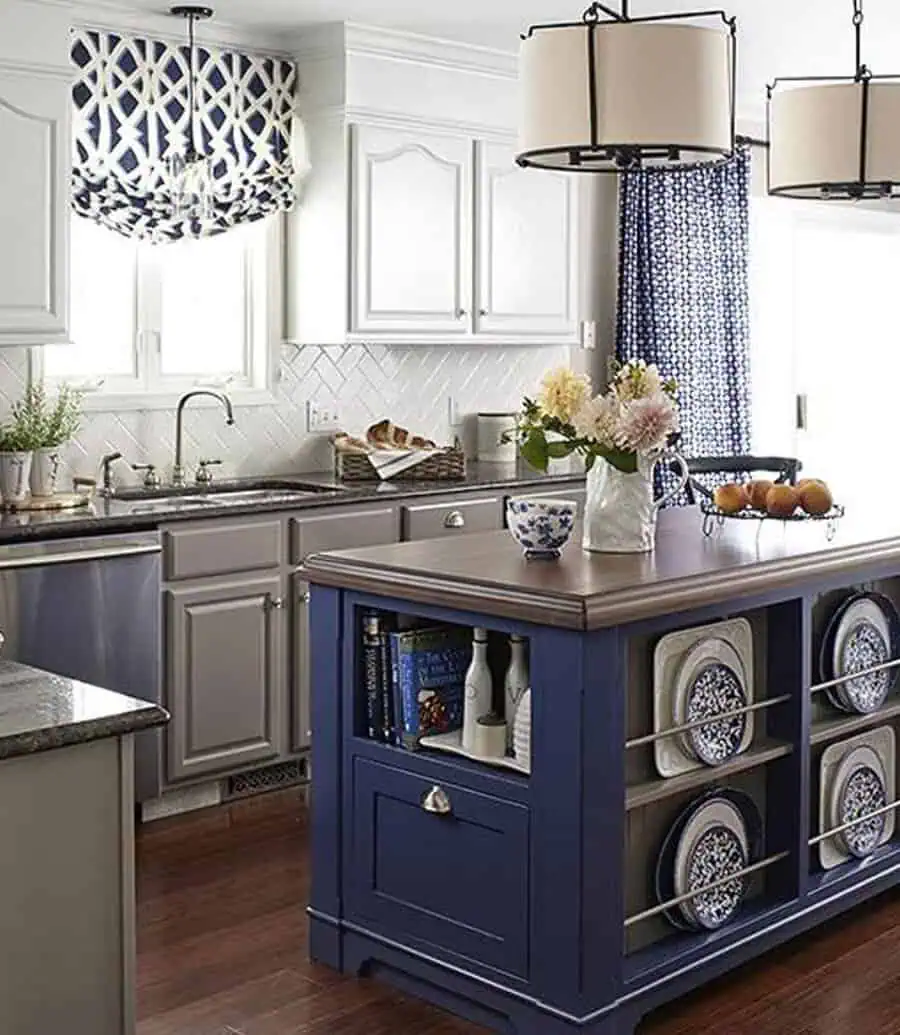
[620, 512]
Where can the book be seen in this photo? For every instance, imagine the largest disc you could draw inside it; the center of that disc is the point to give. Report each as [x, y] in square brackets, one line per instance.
[428, 678]
[384, 683]
[372, 636]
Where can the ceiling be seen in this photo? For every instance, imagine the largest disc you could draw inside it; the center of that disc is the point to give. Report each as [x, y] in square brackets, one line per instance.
[778, 37]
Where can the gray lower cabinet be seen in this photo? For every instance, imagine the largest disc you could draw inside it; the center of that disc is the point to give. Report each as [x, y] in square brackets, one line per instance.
[452, 517]
[225, 649]
[300, 668]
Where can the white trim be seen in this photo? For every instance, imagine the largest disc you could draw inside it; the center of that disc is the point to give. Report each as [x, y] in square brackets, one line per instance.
[416, 123]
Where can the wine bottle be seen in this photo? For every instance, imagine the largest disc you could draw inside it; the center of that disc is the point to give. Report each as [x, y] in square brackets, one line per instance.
[515, 684]
[479, 689]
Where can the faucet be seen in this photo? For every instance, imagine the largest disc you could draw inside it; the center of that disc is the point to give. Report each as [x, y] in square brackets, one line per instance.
[178, 478]
[108, 490]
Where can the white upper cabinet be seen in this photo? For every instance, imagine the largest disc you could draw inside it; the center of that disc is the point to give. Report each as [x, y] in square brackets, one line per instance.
[411, 232]
[34, 191]
[526, 280]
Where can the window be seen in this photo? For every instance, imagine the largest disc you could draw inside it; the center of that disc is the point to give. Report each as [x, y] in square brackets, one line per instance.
[824, 305]
[151, 321]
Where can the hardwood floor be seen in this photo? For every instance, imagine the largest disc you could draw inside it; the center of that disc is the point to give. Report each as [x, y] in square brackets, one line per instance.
[222, 950]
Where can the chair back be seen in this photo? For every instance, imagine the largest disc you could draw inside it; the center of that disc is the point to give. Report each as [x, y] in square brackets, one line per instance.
[784, 468]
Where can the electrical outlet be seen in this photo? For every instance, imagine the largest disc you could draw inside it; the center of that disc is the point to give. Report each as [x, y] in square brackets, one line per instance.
[322, 418]
[589, 334]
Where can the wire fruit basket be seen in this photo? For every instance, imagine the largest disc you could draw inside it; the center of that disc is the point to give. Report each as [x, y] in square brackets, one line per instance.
[714, 518]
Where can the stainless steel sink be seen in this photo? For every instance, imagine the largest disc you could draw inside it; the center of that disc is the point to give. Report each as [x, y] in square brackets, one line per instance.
[225, 493]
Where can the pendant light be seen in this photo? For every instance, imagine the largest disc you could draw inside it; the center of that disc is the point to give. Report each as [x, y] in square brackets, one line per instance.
[835, 138]
[612, 92]
[190, 173]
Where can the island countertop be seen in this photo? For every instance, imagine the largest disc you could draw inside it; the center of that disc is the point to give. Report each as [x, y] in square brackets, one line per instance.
[40, 711]
[487, 573]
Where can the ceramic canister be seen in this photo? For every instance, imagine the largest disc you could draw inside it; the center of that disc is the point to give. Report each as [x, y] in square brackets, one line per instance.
[491, 427]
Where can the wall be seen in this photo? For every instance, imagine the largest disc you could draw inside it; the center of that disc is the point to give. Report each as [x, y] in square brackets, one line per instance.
[409, 386]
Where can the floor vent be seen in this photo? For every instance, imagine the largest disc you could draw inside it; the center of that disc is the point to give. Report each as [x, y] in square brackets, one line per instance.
[272, 778]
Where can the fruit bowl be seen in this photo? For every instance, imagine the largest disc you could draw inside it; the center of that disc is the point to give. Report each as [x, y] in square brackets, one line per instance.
[715, 517]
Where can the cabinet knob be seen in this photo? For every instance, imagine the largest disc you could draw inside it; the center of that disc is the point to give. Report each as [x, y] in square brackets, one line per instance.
[483, 312]
[437, 802]
[455, 519]
[461, 313]
[305, 597]
[274, 603]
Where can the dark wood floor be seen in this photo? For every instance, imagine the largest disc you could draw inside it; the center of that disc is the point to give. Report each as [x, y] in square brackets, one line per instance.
[222, 950]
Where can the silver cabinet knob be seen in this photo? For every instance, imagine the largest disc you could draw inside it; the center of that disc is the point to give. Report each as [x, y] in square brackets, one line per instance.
[437, 802]
[455, 519]
[305, 597]
[461, 313]
[274, 603]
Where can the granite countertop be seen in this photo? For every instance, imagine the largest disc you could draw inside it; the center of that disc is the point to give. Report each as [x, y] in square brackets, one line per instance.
[40, 711]
[486, 573]
[127, 515]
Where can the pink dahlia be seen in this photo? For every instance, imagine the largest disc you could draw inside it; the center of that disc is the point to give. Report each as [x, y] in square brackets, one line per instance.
[647, 423]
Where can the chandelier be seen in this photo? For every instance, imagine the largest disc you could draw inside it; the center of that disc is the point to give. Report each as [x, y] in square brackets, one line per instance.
[835, 138]
[612, 93]
[190, 172]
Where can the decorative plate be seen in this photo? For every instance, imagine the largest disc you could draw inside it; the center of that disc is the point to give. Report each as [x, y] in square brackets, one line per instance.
[862, 793]
[709, 682]
[716, 690]
[673, 755]
[717, 853]
[864, 646]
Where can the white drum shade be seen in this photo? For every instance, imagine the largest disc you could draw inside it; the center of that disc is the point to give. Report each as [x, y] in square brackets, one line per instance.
[661, 92]
[815, 140]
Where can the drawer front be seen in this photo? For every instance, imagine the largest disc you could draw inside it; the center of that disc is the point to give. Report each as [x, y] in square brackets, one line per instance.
[221, 549]
[457, 882]
[341, 530]
[436, 520]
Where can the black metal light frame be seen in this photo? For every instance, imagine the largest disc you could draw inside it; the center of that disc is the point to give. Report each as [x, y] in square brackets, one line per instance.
[193, 13]
[625, 157]
[854, 190]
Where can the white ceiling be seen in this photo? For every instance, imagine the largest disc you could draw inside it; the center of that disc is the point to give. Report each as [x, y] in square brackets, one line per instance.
[777, 37]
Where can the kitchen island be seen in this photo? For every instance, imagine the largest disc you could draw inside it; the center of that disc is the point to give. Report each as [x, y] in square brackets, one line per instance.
[540, 902]
[67, 854]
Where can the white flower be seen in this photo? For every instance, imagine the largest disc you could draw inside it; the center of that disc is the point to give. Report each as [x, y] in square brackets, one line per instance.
[638, 380]
[647, 423]
[563, 393]
[598, 420]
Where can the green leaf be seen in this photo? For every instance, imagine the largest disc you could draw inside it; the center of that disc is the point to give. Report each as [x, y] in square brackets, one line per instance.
[534, 449]
[622, 461]
[560, 450]
[589, 461]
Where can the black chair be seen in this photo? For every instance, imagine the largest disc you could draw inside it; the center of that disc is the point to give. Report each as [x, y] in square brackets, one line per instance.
[784, 468]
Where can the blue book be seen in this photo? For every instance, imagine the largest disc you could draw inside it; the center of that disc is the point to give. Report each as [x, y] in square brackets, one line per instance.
[396, 702]
[431, 673]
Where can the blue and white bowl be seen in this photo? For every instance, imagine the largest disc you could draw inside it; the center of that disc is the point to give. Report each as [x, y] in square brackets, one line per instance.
[542, 527]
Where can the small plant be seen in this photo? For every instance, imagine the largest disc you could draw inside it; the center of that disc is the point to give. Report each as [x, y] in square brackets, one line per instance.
[63, 419]
[39, 424]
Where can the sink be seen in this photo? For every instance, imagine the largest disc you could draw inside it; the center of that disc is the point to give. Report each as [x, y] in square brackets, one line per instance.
[223, 493]
[242, 497]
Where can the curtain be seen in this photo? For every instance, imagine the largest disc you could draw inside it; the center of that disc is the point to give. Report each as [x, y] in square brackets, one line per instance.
[131, 112]
[684, 294]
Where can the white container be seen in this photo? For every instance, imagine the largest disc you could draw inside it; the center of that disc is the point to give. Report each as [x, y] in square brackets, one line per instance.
[45, 471]
[490, 736]
[15, 473]
[479, 690]
[491, 428]
[522, 731]
[514, 684]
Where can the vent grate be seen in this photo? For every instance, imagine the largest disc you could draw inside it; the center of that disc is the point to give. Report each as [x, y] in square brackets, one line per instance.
[271, 778]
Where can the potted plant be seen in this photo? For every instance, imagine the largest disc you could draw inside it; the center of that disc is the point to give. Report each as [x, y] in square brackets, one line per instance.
[17, 440]
[622, 435]
[56, 424]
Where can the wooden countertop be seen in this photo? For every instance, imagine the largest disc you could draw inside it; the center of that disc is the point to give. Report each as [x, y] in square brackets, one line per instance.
[487, 573]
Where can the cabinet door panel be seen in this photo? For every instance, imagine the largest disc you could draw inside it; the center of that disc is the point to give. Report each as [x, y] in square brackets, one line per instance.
[300, 669]
[34, 121]
[527, 248]
[224, 674]
[411, 231]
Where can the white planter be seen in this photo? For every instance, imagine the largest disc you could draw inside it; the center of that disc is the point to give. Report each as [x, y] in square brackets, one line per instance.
[15, 472]
[45, 470]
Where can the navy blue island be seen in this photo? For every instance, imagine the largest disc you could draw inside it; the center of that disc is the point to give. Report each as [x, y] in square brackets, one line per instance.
[565, 895]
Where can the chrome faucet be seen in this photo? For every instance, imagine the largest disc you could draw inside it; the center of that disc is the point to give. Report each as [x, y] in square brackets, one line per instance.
[178, 478]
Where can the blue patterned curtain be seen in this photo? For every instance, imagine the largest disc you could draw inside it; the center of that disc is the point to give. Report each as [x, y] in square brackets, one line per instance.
[684, 294]
[131, 112]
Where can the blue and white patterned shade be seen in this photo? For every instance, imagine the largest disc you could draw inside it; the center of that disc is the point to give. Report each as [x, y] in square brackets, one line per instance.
[131, 113]
[684, 295]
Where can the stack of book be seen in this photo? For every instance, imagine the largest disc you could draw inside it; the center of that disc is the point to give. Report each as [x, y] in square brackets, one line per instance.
[414, 679]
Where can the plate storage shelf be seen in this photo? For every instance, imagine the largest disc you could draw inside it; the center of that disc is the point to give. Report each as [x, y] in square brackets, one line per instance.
[854, 724]
[711, 750]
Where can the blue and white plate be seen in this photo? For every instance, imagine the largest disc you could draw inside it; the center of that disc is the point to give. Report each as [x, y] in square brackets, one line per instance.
[859, 789]
[846, 648]
[718, 852]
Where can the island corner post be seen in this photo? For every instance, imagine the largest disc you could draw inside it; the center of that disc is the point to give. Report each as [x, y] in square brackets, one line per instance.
[531, 906]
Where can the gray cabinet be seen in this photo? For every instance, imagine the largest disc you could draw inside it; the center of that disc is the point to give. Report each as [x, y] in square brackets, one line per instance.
[300, 669]
[452, 517]
[225, 674]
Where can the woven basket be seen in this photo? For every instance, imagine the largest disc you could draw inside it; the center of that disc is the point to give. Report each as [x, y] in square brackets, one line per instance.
[446, 466]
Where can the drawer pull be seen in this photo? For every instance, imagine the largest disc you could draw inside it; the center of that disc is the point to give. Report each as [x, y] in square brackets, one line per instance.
[455, 519]
[437, 802]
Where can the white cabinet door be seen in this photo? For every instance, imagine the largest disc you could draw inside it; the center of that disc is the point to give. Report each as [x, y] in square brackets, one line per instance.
[527, 270]
[34, 191]
[411, 232]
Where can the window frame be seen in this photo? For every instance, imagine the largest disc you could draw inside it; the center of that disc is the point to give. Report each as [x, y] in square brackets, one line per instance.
[264, 278]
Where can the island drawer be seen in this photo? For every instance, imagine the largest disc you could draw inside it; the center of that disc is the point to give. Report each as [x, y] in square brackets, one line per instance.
[438, 520]
[440, 864]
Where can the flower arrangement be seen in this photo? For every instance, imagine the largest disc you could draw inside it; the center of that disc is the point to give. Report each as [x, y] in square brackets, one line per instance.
[634, 417]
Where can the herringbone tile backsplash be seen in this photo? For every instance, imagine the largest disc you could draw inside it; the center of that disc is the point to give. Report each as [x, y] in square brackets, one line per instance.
[368, 382]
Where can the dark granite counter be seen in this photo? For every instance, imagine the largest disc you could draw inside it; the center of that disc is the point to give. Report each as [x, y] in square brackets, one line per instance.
[127, 515]
[40, 711]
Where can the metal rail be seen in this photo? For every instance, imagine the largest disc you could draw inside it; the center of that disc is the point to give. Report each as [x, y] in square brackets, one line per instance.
[819, 687]
[674, 731]
[763, 864]
[854, 822]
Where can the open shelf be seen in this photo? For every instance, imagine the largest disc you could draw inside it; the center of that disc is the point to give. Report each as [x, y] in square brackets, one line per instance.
[853, 872]
[645, 793]
[839, 724]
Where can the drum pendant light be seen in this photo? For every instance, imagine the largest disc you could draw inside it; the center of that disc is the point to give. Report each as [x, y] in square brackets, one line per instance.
[835, 138]
[612, 93]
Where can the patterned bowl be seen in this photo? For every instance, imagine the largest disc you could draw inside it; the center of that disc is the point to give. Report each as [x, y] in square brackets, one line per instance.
[542, 527]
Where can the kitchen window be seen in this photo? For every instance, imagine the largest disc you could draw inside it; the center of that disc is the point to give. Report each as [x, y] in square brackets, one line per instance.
[152, 321]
